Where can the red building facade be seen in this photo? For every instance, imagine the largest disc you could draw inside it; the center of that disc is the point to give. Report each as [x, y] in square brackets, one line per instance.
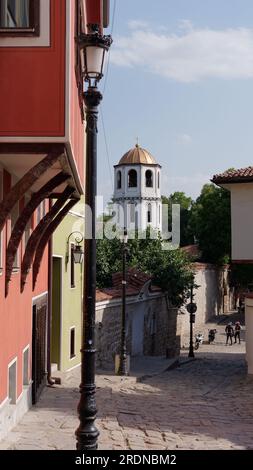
[42, 142]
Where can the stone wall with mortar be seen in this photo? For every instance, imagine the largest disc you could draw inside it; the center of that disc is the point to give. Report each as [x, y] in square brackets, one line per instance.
[159, 327]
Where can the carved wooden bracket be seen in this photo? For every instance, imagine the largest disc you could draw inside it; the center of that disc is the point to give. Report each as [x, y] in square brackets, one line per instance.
[22, 186]
[24, 218]
[46, 236]
[38, 232]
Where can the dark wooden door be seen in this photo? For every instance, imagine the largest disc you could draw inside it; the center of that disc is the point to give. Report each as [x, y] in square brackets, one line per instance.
[39, 351]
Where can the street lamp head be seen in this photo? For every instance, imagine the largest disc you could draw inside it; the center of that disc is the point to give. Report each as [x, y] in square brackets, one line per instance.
[78, 254]
[94, 47]
[77, 251]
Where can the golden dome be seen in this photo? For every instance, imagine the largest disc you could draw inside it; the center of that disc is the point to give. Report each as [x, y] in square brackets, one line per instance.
[138, 156]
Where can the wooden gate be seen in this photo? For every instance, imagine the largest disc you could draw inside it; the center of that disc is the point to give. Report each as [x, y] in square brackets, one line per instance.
[39, 351]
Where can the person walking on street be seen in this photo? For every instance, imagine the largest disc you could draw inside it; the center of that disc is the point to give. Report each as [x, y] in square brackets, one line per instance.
[238, 332]
[229, 332]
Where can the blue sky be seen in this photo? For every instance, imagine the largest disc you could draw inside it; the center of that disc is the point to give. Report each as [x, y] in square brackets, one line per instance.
[181, 79]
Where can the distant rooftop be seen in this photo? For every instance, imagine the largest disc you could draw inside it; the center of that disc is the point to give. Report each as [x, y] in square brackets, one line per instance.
[192, 250]
[243, 175]
[135, 282]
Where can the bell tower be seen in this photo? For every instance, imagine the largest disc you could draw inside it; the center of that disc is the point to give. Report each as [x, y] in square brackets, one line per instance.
[137, 191]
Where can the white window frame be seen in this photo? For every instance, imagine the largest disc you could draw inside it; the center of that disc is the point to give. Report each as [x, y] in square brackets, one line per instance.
[43, 40]
[15, 360]
[27, 348]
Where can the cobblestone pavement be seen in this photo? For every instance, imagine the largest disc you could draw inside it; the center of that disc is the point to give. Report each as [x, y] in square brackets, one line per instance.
[205, 403]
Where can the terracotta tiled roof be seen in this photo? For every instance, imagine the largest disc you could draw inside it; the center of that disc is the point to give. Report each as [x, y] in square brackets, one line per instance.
[135, 282]
[192, 250]
[135, 278]
[111, 293]
[243, 175]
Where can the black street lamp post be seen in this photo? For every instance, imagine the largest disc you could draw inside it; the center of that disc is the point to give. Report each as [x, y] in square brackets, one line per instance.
[192, 308]
[123, 369]
[93, 47]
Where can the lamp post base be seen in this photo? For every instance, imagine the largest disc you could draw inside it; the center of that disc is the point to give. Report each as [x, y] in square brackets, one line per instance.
[87, 433]
[87, 438]
[123, 370]
[122, 365]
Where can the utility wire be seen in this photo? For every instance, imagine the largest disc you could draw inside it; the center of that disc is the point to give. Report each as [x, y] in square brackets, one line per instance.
[109, 53]
[105, 83]
[113, 14]
[106, 147]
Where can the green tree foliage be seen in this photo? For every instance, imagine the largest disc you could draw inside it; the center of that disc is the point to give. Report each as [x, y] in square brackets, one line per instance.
[170, 270]
[108, 261]
[208, 221]
[185, 202]
[211, 224]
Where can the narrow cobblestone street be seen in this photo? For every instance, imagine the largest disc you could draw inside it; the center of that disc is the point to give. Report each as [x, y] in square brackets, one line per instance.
[205, 403]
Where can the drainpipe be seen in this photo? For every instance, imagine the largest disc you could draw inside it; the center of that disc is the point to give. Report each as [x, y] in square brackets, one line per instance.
[50, 380]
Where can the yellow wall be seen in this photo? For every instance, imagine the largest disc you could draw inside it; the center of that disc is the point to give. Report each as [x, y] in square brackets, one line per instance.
[71, 298]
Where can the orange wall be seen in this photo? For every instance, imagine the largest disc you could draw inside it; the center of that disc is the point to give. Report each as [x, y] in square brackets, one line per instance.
[16, 314]
[32, 84]
[16, 324]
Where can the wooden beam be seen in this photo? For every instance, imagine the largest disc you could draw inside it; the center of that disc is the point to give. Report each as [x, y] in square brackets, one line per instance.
[43, 148]
[38, 232]
[23, 185]
[46, 236]
[23, 220]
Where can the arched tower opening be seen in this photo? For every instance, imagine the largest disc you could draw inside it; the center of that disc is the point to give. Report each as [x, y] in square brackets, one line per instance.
[132, 179]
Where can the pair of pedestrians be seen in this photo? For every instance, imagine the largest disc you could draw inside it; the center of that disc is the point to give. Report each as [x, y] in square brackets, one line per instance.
[233, 332]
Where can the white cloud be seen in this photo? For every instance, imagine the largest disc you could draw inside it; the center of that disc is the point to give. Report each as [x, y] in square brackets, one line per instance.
[138, 24]
[190, 55]
[184, 138]
[185, 25]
